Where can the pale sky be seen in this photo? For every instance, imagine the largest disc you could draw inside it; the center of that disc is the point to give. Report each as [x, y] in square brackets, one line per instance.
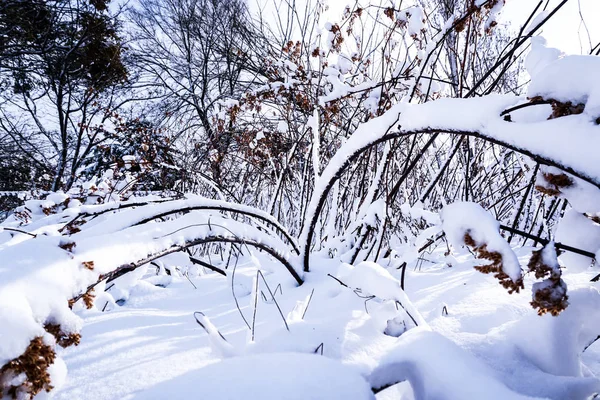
[564, 31]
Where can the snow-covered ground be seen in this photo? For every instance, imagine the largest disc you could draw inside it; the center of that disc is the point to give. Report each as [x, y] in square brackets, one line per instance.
[152, 341]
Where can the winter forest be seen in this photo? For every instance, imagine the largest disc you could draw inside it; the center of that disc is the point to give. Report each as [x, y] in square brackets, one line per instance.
[290, 199]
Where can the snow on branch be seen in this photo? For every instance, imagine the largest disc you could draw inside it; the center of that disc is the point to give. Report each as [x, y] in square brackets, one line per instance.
[467, 223]
[155, 211]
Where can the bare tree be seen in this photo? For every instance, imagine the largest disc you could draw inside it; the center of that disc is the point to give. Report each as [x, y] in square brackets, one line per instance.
[62, 65]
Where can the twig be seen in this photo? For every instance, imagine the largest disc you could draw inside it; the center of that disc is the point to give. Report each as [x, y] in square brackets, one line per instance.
[407, 313]
[187, 275]
[591, 343]
[319, 347]
[208, 266]
[308, 303]
[340, 282]
[18, 231]
[255, 306]
[403, 266]
[204, 327]
[237, 304]
[546, 241]
[259, 272]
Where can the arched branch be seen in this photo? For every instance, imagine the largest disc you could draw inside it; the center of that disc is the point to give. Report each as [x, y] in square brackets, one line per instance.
[263, 217]
[341, 168]
[125, 268]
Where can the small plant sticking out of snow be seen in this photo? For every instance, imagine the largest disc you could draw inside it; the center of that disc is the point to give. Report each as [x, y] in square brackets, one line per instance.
[27, 375]
[88, 265]
[549, 295]
[496, 267]
[67, 245]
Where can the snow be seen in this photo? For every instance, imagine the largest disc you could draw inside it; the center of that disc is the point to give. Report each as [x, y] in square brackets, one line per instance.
[375, 280]
[345, 63]
[575, 229]
[540, 56]
[415, 21]
[567, 79]
[558, 351]
[493, 13]
[417, 211]
[218, 343]
[542, 15]
[292, 376]
[581, 195]
[545, 137]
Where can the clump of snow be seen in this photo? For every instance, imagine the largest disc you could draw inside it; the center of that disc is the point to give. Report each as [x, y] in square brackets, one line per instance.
[417, 211]
[541, 16]
[540, 56]
[373, 279]
[565, 79]
[581, 195]
[461, 218]
[494, 11]
[416, 21]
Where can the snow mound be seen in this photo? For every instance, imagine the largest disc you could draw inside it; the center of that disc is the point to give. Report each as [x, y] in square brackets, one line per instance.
[558, 346]
[373, 279]
[457, 375]
[291, 376]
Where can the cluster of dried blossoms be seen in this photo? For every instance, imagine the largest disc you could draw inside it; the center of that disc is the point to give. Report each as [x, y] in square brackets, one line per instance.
[28, 375]
[552, 184]
[495, 267]
[549, 295]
